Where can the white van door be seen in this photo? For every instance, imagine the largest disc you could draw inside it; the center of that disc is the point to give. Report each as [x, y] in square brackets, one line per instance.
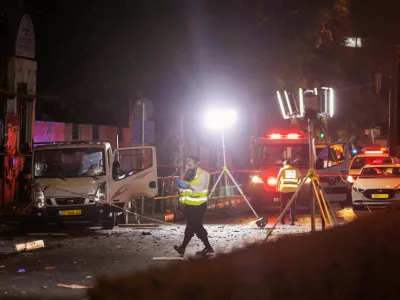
[332, 166]
[133, 174]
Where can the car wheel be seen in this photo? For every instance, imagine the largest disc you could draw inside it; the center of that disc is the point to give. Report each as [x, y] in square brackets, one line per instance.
[109, 223]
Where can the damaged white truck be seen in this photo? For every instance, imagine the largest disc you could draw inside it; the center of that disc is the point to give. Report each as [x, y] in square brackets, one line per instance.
[89, 181]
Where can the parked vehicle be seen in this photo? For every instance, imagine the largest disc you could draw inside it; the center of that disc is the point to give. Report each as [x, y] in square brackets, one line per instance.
[88, 181]
[376, 187]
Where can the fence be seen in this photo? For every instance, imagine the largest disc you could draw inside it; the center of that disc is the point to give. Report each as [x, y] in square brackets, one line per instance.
[168, 193]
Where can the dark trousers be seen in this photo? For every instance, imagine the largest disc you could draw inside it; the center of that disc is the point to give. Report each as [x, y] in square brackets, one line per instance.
[194, 217]
[194, 226]
[285, 198]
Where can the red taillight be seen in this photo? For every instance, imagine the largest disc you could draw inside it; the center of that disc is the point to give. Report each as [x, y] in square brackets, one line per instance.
[275, 136]
[271, 181]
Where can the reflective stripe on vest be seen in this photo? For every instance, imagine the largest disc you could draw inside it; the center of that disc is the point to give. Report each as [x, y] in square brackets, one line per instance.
[190, 197]
[289, 179]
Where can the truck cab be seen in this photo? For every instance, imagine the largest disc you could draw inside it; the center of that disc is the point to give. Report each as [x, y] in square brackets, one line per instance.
[332, 165]
[268, 155]
[89, 181]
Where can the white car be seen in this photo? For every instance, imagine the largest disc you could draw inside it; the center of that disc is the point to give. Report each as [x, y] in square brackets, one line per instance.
[376, 187]
[369, 156]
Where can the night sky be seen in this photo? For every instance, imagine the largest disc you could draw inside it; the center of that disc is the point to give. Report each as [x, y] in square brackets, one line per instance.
[98, 55]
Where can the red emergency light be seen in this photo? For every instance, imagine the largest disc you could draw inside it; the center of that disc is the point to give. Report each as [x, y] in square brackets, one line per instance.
[271, 181]
[375, 150]
[290, 136]
[275, 136]
[293, 136]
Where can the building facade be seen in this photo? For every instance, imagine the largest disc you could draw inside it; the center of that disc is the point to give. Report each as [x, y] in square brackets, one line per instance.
[18, 69]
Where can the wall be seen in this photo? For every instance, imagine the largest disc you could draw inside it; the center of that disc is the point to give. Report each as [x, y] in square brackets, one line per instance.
[54, 132]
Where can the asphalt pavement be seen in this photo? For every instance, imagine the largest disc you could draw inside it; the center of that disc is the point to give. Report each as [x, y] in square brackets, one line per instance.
[84, 254]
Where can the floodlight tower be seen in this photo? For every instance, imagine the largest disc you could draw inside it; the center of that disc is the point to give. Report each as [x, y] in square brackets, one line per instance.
[220, 120]
[311, 105]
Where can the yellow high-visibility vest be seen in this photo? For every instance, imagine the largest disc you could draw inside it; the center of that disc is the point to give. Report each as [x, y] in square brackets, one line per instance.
[198, 197]
[288, 179]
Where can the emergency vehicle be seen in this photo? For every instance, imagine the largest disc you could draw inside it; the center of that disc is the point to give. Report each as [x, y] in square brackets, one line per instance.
[268, 153]
[377, 187]
[331, 165]
[368, 156]
[88, 181]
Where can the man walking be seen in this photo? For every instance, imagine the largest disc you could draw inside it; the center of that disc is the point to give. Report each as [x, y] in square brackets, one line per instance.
[287, 184]
[194, 195]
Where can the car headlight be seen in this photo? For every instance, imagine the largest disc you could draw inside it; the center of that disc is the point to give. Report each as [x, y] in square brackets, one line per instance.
[358, 190]
[350, 179]
[101, 192]
[256, 179]
[38, 197]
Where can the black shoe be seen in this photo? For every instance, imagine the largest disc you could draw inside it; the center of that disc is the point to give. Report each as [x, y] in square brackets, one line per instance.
[179, 249]
[292, 223]
[205, 251]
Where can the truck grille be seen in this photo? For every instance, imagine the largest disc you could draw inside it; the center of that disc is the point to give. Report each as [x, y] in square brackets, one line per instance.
[70, 201]
[368, 193]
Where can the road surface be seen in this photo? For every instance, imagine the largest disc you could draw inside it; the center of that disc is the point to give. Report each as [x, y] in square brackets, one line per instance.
[86, 253]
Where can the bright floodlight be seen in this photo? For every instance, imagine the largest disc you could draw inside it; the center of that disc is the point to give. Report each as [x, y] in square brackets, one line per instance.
[220, 119]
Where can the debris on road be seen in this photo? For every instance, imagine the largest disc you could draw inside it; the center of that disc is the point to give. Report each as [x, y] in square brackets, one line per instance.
[21, 271]
[146, 233]
[168, 258]
[29, 246]
[50, 267]
[74, 286]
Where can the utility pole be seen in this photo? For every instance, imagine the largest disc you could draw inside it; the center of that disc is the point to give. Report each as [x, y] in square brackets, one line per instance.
[143, 119]
[311, 158]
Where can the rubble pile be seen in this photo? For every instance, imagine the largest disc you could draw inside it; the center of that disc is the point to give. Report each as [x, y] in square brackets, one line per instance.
[356, 261]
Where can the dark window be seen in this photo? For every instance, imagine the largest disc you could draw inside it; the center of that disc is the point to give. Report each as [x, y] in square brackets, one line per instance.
[95, 132]
[360, 162]
[120, 134]
[75, 131]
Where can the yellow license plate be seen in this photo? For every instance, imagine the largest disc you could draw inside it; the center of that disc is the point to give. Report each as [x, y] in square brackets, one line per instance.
[380, 196]
[71, 212]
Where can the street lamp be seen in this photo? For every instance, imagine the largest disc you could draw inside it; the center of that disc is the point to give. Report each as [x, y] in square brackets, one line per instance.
[220, 120]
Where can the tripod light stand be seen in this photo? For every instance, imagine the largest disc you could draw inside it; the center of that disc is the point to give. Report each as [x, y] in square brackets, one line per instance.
[221, 120]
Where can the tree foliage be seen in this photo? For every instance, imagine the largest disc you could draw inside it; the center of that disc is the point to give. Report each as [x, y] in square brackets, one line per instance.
[306, 42]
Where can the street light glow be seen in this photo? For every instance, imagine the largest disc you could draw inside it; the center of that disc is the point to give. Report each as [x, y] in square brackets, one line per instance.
[220, 119]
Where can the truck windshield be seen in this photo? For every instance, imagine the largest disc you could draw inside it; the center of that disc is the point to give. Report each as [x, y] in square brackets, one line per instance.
[267, 155]
[69, 163]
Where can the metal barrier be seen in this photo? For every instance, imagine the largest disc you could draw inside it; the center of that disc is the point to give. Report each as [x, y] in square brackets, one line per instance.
[168, 193]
